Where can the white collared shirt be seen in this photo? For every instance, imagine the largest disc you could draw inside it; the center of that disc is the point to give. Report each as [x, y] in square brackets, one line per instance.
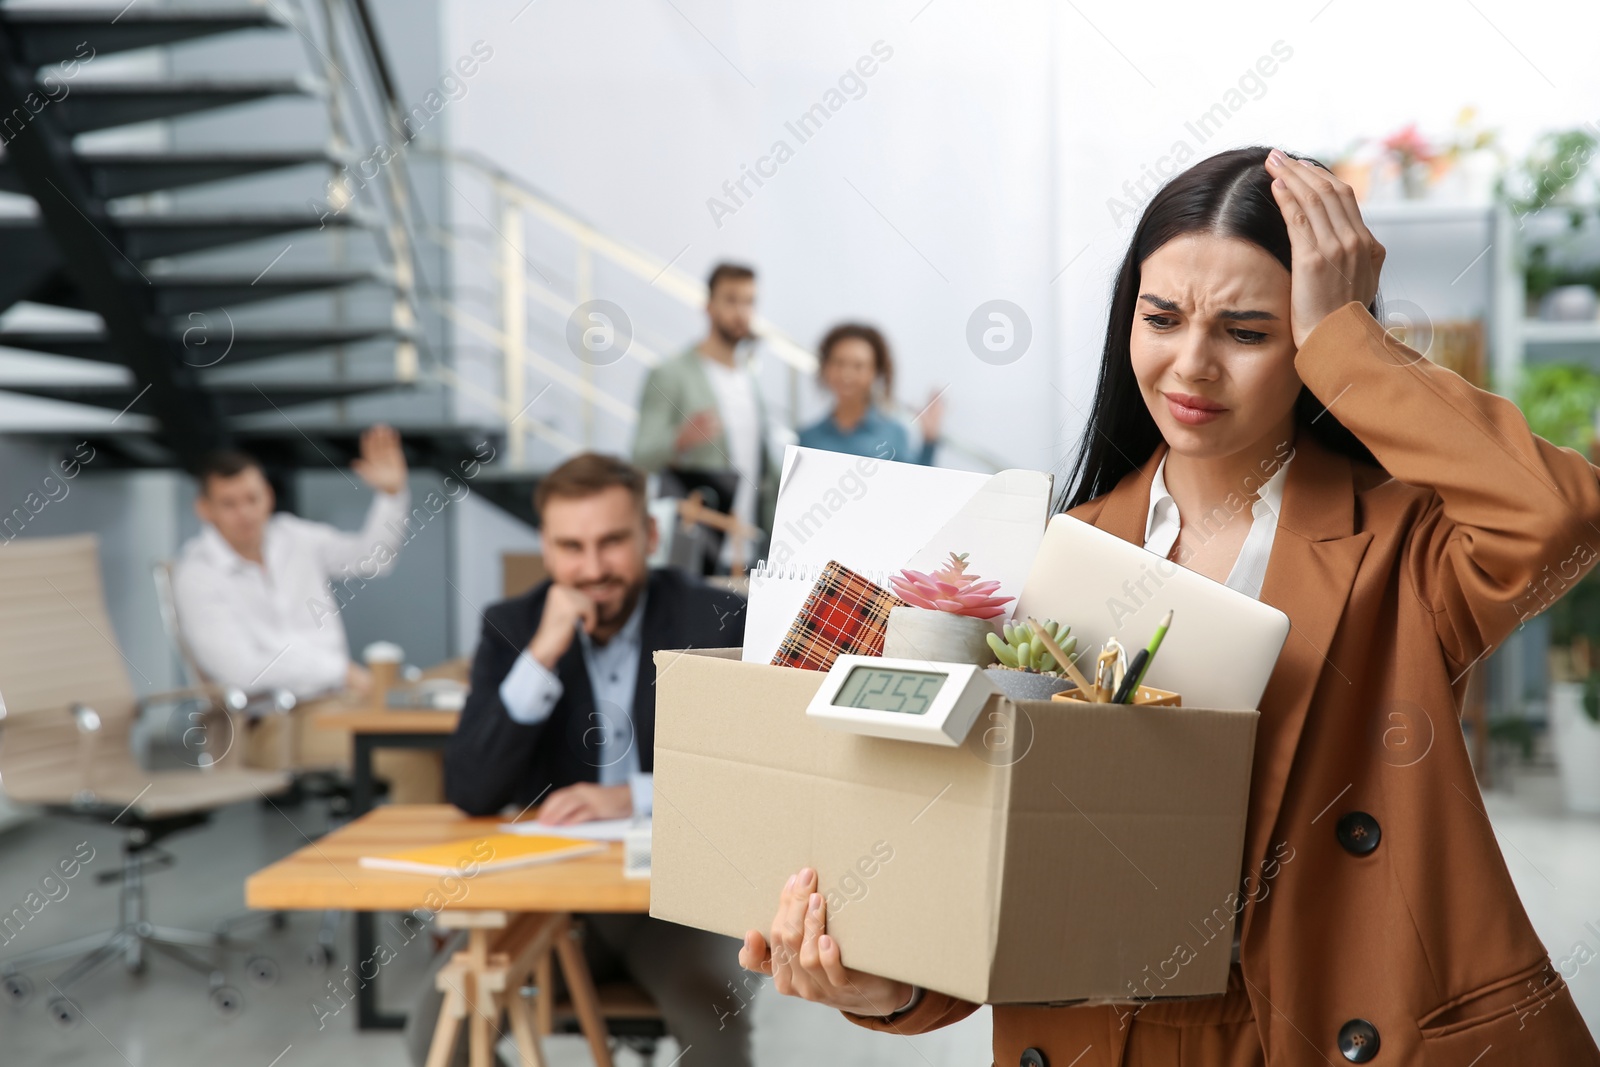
[529, 694]
[1250, 569]
[1161, 533]
[739, 410]
[277, 624]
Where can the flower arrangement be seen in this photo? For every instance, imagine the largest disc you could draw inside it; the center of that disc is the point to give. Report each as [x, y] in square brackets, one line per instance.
[951, 589]
[946, 616]
[1413, 155]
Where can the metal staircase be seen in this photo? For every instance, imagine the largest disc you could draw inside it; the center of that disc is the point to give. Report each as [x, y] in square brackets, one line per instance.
[179, 268]
[158, 265]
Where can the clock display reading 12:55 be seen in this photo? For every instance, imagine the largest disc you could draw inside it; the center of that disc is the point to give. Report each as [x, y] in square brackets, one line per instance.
[881, 689]
[930, 701]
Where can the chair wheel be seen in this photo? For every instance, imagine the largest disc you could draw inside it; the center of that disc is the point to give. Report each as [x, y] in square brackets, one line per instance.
[136, 967]
[319, 957]
[18, 989]
[63, 1013]
[226, 1001]
[261, 970]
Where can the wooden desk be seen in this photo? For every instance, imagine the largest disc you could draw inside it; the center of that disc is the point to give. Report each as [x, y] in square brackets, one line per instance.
[374, 728]
[515, 919]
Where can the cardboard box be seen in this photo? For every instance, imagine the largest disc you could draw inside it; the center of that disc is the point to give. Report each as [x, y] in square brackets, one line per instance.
[1066, 851]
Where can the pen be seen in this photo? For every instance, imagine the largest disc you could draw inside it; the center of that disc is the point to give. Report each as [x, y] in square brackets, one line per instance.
[1155, 643]
[1130, 680]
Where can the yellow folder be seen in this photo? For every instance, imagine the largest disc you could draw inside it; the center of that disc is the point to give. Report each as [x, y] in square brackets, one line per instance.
[496, 852]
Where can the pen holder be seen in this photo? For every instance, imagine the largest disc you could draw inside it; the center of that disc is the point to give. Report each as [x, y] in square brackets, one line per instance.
[1146, 695]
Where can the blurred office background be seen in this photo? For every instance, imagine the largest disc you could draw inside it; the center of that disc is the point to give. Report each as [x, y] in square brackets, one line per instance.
[434, 186]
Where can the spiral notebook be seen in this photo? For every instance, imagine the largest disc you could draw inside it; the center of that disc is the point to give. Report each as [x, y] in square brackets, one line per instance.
[877, 517]
[845, 614]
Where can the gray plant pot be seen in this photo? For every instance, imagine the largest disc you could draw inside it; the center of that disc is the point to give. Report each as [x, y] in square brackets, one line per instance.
[917, 633]
[1026, 685]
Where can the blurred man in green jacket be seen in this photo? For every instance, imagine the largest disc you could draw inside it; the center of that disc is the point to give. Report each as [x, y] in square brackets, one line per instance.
[702, 410]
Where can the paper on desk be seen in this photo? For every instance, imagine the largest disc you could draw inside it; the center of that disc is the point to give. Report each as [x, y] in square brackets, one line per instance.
[877, 516]
[598, 830]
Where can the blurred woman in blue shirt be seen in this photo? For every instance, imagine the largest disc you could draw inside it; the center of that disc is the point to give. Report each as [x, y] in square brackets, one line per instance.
[854, 358]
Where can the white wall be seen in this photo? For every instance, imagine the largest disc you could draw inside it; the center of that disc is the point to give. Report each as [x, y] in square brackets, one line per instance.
[990, 142]
[928, 195]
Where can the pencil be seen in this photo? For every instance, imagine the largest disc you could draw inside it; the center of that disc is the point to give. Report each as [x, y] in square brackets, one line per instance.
[1155, 643]
[1062, 658]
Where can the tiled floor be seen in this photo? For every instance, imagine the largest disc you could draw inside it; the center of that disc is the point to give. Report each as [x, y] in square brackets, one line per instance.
[164, 1018]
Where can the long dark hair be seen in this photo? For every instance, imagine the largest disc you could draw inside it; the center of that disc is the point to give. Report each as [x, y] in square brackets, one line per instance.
[1228, 195]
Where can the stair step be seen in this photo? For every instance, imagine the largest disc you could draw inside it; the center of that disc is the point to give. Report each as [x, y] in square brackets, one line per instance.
[451, 448]
[152, 235]
[234, 398]
[116, 174]
[102, 105]
[47, 35]
[180, 293]
[218, 342]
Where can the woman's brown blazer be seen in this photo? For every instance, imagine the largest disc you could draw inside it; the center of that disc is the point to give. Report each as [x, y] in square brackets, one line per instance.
[1373, 887]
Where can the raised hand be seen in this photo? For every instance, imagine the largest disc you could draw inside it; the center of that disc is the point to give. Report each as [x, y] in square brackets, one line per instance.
[383, 463]
[931, 420]
[1334, 257]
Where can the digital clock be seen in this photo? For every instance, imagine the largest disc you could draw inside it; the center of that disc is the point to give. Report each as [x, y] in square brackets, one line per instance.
[910, 700]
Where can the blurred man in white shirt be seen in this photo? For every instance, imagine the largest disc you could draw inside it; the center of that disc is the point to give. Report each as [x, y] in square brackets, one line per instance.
[252, 590]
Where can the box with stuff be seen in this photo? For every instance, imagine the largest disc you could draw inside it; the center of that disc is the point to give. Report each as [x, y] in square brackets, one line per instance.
[1065, 850]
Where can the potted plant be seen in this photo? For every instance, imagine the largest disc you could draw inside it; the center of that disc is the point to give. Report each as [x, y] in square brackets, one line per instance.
[1550, 175]
[947, 617]
[1025, 670]
[1560, 402]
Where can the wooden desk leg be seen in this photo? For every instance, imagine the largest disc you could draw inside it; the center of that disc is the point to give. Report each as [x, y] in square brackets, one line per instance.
[580, 985]
[444, 1035]
[522, 1028]
[544, 977]
[480, 1048]
[469, 980]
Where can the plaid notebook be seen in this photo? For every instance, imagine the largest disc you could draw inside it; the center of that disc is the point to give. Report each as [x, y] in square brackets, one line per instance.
[844, 614]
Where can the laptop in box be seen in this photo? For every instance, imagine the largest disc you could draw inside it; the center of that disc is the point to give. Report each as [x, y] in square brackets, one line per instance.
[1221, 647]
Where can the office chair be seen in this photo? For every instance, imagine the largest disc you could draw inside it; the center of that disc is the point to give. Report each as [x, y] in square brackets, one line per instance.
[65, 745]
[253, 706]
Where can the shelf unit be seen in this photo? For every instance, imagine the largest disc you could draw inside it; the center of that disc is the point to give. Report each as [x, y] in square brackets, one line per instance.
[1516, 338]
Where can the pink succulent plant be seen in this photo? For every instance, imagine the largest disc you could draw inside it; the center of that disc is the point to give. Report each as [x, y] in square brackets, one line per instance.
[952, 589]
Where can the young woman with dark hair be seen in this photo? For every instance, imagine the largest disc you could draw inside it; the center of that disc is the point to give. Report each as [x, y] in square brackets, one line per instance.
[1254, 422]
[853, 360]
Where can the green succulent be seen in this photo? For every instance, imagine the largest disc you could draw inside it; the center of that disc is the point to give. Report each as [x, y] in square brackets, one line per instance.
[1020, 648]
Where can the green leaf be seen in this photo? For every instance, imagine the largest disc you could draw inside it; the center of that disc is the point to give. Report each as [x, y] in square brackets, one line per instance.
[1002, 652]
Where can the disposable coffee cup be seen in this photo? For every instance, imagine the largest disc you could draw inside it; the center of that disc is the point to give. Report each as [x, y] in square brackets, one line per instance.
[383, 659]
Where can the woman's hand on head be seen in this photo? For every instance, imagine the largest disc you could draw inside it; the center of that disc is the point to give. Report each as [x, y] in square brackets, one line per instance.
[805, 962]
[1334, 257]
